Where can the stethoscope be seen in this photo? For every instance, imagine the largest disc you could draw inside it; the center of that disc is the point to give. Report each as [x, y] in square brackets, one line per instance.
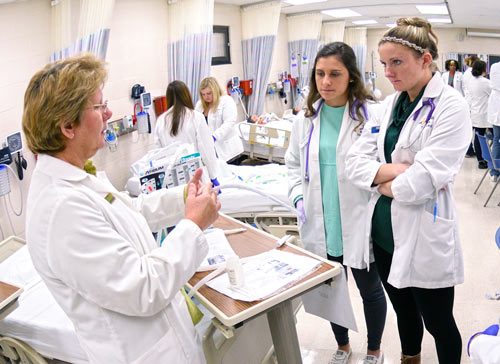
[430, 103]
[353, 116]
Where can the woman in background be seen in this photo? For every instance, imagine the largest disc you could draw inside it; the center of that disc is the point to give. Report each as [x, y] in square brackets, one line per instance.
[410, 158]
[467, 76]
[479, 92]
[452, 76]
[220, 114]
[181, 123]
[335, 222]
[494, 114]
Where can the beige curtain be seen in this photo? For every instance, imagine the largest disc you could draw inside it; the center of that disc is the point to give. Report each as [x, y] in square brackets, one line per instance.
[356, 38]
[332, 32]
[260, 20]
[190, 28]
[80, 26]
[304, 26]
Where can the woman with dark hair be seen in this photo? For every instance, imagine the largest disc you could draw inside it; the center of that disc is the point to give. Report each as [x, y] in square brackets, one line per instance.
[335, 222]
[409, 158]
[479, 92]
[181, 123]
[452, 76]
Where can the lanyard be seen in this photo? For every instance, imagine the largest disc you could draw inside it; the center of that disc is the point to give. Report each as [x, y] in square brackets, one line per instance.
[309, 139]
[432, 106]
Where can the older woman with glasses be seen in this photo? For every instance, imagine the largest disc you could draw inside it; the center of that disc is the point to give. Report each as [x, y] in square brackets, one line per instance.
[93, 245]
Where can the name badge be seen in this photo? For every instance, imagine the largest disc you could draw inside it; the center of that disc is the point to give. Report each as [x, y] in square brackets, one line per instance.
[109, 197]
[375, 129]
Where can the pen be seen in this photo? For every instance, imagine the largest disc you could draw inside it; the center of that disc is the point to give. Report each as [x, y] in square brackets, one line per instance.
[282, 240]
[234, 231]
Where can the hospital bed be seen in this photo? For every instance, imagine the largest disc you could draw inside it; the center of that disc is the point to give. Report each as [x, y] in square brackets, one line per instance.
[256, 209]
[244, 205]
[37, 331]
[269, 141]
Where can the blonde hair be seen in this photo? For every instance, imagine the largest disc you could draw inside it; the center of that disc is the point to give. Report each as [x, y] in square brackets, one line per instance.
[414, 33]
[213, 85]
[56, 96]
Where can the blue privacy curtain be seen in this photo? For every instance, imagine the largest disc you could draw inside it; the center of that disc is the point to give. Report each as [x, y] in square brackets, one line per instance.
[356, 38]
[259, 28]
[303, 37]
[190, 25]
[89, 35]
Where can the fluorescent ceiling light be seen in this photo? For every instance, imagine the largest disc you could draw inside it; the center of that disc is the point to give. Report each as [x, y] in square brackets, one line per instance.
[364, 22]
[341, 13]
[303, 2]
[439, 20]
[474, 33]
[391, 25]
[433, 9]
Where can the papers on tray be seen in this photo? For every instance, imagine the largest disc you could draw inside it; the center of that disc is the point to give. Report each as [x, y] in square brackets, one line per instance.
[266, 274]
[219, 250]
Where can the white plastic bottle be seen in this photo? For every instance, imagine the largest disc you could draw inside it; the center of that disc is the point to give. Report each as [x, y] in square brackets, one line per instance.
[235, 272]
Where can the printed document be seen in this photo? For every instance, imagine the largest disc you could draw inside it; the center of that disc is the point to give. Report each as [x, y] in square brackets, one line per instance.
[219, 250]
[266, 274]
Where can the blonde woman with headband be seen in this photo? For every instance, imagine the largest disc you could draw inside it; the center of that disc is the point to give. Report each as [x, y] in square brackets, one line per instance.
[409, 158]
[220, 114]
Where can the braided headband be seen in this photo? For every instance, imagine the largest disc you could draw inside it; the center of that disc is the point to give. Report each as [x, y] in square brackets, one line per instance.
[405, 43]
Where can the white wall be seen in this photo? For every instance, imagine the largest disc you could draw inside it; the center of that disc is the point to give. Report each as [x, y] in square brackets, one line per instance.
[137, 53]
[448, 43]
[229, 15]
[25, 43]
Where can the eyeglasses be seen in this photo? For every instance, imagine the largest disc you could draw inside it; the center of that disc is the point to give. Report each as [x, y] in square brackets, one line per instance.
[102, 107]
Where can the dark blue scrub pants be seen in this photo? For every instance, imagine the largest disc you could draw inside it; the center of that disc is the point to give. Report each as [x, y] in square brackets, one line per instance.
[374, 305]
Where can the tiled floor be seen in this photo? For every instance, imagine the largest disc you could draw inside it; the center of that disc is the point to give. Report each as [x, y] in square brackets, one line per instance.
[473, 312]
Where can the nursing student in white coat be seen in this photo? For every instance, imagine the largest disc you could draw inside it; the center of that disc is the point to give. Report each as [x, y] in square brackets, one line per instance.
[93, 245]
[220, 113]
[336, 224]
[484, 346]
[181, 123]
[494, 113]
[452, 76]
[410, 158]
[479, 93]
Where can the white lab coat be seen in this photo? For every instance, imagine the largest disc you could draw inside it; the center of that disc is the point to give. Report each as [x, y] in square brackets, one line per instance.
[485, 349]
[494, 99]
[194, 131]
[353, 201]
[457, 80]
[427, 254]
[104, 268]
[222, 125]
[479, 93]
[465, 84]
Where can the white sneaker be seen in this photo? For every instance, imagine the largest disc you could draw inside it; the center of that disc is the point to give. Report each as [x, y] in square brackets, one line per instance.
[341, 357]
[372, 359]
[493, 178]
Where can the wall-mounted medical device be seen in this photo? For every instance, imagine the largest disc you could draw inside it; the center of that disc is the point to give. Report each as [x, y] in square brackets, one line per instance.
[145, 100]
[244, 87]
[15, 144]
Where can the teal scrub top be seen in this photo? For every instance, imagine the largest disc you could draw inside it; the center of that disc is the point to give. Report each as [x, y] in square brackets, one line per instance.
[331, 122]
